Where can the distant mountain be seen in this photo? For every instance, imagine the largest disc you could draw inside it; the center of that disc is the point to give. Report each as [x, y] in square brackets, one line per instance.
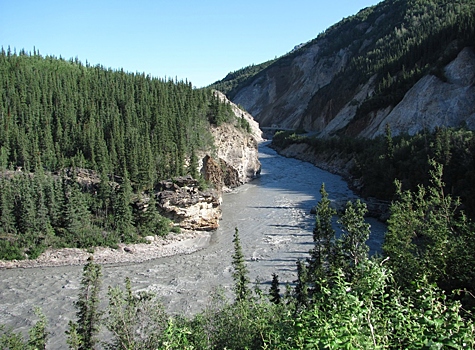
[407, 63]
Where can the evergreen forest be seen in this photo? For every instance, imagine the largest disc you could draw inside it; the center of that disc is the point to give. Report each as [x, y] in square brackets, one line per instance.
[375, 164]
[78, 143]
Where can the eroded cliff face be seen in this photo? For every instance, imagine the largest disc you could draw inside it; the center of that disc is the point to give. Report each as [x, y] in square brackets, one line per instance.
[233, 162]
[433, 102]
[281, 96]
[289, 96]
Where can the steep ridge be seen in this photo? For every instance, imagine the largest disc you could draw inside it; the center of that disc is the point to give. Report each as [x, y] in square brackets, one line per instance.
[400, 62]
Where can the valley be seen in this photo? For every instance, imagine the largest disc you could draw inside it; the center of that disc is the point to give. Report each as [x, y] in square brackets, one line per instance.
[272, 214]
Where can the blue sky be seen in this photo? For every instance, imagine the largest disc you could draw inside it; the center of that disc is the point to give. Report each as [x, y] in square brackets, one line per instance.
[200, 41]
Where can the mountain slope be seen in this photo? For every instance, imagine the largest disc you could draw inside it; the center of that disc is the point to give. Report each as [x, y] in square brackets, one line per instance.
[351, 77]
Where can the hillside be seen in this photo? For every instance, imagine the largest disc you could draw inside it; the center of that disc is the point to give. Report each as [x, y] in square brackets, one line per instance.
[84, 152]
[407, 63]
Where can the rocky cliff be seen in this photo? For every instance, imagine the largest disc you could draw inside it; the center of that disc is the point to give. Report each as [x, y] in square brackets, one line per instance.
[433, 102]
[429, 103]
[232, 162]
[182, 201]
[234, 159]
[407, 64]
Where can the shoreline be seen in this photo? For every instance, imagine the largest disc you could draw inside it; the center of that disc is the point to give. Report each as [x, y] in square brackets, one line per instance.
[186, 242]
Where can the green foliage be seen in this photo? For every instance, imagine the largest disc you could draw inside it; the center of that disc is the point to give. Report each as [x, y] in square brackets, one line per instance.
[244, 124]
[351, 246]
[274, 290]
[37, 336]
[219, 112]
[82, 334]
[240, 272]
[150, 222]
[59, 113]
[283, 139]
[371, 313]
[10, 251]
[425, 234]
[137, 321]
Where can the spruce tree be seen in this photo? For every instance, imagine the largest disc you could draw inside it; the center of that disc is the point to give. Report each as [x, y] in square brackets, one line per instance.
[83, 332]
[7, 217]
[240, 272]
[76, 215]
[301, 291]
[123, 217]
[323, 237]
[274, 291]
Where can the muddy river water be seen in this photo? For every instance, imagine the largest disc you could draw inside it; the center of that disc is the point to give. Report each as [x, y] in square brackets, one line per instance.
[272, 214]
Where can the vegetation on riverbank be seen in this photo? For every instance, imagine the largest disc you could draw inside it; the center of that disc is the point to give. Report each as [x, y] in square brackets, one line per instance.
[377, 163]
[341, 299]
[79, 142]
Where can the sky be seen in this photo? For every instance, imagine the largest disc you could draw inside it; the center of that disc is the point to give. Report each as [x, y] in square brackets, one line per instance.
[196, 40]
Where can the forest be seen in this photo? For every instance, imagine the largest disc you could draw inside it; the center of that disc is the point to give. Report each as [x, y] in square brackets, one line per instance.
[377, 163]
[79, 143]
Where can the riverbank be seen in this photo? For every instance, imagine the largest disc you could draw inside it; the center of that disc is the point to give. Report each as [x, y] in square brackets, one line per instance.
[275, 226]
[338, 165]
[186, 242]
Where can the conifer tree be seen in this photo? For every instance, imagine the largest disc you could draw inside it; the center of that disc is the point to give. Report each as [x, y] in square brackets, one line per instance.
[83, 332]
[301, 292]
[123, 216]
[274, 291]
[7, 217]
[323, 237]
[76, 214]
[240, 272]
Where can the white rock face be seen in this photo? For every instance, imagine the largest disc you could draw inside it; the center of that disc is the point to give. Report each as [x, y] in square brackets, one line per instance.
[237, 148]
[432, 102]
[283, 94]
[291, 94]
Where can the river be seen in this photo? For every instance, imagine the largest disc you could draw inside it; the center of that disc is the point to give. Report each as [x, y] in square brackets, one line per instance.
[272, 214]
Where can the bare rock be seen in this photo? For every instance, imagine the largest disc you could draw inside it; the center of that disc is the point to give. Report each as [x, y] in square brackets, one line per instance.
[182, 201]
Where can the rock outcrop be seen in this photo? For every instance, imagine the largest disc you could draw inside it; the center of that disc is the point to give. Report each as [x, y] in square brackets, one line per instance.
[182, 201]
[432, 102]
[234, 160]
[371, 69]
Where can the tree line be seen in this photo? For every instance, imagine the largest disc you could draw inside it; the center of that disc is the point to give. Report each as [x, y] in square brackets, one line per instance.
[129, 131]
[378, 162]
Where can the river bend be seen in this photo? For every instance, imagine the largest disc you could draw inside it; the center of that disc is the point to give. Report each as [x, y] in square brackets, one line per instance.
[272, 214]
